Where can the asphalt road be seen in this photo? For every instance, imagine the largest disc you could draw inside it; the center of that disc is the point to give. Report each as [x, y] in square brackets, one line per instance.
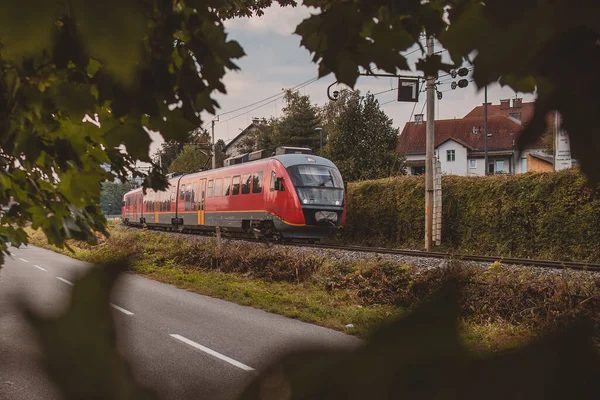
[181, 344]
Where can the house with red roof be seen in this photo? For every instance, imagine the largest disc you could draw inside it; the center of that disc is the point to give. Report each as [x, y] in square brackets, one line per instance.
[459, 143]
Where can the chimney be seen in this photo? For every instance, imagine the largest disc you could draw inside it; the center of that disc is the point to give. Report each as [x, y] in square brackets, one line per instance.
[256, 120]
[505, 104]
[418, 119]
[517, 102]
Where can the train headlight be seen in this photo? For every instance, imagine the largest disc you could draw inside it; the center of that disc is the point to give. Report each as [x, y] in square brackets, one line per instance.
[337, 202]
[305, 201]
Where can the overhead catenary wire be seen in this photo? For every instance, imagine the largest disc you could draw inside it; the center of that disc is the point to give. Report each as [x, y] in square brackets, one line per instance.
[275, 96]
[272, 100]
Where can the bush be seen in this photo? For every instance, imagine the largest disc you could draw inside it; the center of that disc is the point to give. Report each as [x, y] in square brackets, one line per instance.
[548, 215]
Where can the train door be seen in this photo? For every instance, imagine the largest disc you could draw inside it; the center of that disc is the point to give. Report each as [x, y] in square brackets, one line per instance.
[201, 190]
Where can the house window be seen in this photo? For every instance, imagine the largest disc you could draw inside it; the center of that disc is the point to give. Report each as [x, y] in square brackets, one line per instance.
[257, 182]
[491, 168]
[500, 166]
[418, 170]
[524, 164]
[246, 179]
[450, 155]
[472, 164]
[236, 186]
[516, 116]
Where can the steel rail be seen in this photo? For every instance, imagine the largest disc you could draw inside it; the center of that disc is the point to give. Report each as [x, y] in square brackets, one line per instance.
[463, 257]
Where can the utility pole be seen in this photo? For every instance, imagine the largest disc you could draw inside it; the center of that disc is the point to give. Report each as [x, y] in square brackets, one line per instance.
[485, 130]
[430, 148]
[214, 162]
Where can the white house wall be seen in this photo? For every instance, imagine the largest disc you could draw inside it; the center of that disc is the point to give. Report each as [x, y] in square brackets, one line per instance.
[479, 169]
[457, 167]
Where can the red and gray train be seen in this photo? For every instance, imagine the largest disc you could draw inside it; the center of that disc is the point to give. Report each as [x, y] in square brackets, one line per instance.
[289, 196]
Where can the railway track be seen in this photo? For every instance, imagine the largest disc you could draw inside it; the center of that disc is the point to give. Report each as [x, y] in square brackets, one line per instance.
[425, 254]
[463, 257]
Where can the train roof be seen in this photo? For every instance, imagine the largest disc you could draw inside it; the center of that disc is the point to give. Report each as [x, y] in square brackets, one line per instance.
[287, 160]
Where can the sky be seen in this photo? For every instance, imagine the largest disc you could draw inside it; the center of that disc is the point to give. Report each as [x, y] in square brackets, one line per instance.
[275, 61]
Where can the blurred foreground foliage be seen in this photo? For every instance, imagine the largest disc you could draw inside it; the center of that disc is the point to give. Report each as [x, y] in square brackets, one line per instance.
[81, 85]
[419, 356]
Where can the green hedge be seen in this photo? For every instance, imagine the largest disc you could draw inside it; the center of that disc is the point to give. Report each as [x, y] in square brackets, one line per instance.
[547, 215]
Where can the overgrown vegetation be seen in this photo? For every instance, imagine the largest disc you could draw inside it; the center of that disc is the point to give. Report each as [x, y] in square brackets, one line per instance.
[549, 215]
[500, 306]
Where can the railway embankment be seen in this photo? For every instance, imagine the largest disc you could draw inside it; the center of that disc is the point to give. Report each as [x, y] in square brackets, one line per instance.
[501, 306]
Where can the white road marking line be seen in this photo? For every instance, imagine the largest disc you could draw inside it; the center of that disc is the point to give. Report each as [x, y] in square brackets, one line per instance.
[213, 353]
[124, 311]
[22, 259]
[64, 280]
[40, 268]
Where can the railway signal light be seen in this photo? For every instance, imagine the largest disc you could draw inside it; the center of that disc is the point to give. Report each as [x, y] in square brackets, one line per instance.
[463, 71]
[463, 83]
[453, 85]
[439, 95]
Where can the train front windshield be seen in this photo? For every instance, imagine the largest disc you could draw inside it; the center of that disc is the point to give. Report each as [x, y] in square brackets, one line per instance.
[318, 184]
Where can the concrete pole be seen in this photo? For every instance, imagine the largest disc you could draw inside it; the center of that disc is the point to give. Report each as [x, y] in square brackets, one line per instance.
[430, 148]
[485, 132]
[214, 163]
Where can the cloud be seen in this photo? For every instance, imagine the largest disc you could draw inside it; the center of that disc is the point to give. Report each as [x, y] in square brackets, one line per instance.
[276, 19]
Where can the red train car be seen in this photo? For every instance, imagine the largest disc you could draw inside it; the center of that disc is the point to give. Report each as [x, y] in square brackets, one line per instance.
[291, 196]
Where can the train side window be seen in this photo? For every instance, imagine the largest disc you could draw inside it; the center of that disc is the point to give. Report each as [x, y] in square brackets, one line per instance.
[257, 182]
[226, 186]
[246, 179]
[188, 197]
[273, 179]
[218, 187]
[235, 190]
[210, 189]
[182, 192]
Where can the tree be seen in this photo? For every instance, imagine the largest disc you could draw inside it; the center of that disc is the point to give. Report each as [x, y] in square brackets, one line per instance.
[297, 127]
[111, 196]
[220, 155]
[248, 143]
[362, 141]
[167, 153]
[193, 158]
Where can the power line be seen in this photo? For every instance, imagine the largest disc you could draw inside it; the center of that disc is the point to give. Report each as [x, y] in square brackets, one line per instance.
[277, 97]
[308, 82]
